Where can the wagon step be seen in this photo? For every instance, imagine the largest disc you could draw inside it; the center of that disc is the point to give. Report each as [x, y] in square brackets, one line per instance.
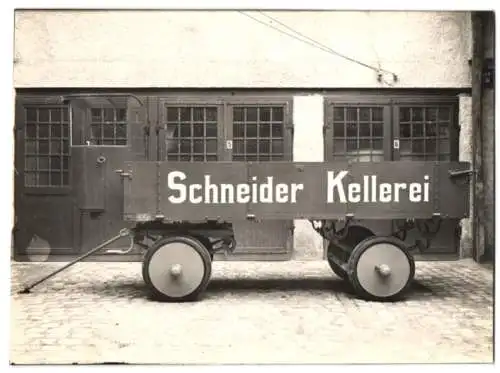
[123, 233]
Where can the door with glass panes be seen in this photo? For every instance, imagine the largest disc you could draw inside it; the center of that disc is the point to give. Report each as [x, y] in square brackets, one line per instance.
[106, 131]
[204, 129]
[427, 129]
[359, 132]
[374, 129]
[44, 209]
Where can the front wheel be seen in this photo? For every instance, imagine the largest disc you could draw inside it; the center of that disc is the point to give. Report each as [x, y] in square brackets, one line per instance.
[177, 269]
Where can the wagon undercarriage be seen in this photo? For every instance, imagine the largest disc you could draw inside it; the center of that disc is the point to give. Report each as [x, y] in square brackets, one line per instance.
[178, 258]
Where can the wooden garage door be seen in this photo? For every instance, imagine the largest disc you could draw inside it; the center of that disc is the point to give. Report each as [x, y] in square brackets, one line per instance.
[396, 128]
[43, 203]
[260, 133]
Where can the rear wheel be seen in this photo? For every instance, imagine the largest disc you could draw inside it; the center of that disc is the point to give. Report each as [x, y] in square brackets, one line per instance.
[335, 255]
[381, 269]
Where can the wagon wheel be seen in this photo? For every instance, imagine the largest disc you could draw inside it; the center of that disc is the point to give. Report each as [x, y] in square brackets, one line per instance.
[381, 268]
[177, 269]
[337, 252]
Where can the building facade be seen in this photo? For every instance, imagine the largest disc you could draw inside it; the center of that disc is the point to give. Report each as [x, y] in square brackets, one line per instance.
[376, 77]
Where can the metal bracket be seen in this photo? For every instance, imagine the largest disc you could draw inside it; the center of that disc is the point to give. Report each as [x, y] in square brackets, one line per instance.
[461, 173]
[124, 232]
[124, 174]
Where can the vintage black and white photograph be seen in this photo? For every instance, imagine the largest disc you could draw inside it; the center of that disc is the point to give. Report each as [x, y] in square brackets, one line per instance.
[251, 185]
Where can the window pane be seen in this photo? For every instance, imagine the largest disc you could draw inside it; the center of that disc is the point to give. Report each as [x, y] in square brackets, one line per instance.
[338, 114]
[264, 130]
[198, 130]
[265, 114]
[197, 124]
[377, 114]
[259, 131]
[363, 130]
[239, 130]
[251, 130]
[352, 115]
[212, 130]
[31, 130]
[44, 115]
[251, 114]
[211, 114]
[198, 114]
[277, 130]
[338, 130]
[31, 115]
[427, 132]
[352, 129]
[172, 114]
[238, 115]
[277, 114]
[378, 129]
[252, 146]
[211, 146]
[364, 114]
[417, 130]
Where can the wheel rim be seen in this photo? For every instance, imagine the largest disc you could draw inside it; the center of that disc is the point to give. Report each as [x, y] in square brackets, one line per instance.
[176, 269]
[383, 270]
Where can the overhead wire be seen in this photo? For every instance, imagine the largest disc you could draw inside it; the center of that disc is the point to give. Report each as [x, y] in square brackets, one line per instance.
[314, 43]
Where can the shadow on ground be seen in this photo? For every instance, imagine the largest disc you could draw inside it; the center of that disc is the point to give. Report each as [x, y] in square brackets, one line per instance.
[221, 288]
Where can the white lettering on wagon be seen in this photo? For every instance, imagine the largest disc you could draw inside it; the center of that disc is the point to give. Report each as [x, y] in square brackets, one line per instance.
[339, 190]
[372, 190]
[208, 192]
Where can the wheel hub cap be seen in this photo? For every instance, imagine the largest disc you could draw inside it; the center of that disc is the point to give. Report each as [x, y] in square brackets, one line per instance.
[176, 270]
[383, 270]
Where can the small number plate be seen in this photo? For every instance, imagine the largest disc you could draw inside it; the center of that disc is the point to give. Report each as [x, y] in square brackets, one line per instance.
[396, 144]
[229, 144]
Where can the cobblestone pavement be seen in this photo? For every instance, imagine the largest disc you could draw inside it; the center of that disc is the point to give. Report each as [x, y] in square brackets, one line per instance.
[290, 312]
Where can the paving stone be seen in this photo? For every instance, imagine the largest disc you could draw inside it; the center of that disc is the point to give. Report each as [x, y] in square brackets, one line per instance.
[285, 312]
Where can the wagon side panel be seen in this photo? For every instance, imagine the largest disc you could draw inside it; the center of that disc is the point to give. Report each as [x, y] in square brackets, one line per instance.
[299, 191]
[391, 190]
[201, 191]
